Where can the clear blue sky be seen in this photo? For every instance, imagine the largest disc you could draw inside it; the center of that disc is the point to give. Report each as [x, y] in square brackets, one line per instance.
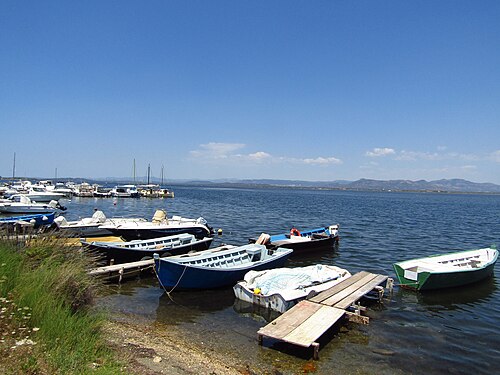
[313, 90]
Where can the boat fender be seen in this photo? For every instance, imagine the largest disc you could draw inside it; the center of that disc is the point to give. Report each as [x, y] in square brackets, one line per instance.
[256, 291]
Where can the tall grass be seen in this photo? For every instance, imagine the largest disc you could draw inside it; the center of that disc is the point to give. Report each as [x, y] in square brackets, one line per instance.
[49, 279]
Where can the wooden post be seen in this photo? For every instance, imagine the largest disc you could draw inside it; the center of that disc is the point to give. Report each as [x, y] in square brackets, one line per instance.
[315, 346]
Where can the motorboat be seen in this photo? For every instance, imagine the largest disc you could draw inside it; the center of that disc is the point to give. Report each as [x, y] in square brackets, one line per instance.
[21, 204]
[281, 288]
[92, 226]
[302, 241]
[215, 268]
[446, 270]
[125, 191]
[159, 226]
[35, 220]
[123, 252]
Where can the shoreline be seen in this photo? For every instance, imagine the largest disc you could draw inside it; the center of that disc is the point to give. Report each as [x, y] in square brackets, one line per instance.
[147, 351]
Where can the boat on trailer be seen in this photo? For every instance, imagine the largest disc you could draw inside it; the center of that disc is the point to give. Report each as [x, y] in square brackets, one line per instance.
[446, 270]
[215, 268]
[132, 251]
[281, 288]
[310, 240]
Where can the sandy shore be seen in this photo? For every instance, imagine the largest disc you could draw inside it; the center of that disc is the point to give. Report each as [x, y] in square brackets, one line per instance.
[149, 351]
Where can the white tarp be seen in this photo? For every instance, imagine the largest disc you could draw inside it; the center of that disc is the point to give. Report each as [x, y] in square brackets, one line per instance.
[279, 280]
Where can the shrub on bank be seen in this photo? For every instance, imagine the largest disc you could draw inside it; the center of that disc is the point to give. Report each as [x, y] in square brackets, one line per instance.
[47, 323]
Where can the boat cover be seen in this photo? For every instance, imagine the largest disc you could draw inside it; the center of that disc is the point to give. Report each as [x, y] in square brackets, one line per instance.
[279, 280]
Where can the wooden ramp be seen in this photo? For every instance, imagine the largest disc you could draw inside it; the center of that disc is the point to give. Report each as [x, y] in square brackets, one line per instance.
[122, 270]
[307, 321]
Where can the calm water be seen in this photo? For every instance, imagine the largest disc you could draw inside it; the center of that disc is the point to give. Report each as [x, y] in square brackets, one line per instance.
[452, 331]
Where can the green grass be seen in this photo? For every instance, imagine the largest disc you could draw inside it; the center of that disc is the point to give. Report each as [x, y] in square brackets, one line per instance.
[44, 286]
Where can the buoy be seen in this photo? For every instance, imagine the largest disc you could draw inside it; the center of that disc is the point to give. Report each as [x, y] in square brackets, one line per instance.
[219, 232]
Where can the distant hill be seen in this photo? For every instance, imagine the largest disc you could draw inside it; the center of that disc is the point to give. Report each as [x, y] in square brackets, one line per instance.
[452, 185]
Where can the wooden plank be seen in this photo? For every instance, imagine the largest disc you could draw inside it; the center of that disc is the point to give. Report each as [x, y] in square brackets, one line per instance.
[337, 288]
[317, 324]
[331, 301]
[364, 289]
[291, 319]
[124, 266]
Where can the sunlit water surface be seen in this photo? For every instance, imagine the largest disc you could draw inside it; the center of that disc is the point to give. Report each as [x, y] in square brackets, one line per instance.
[449, 331]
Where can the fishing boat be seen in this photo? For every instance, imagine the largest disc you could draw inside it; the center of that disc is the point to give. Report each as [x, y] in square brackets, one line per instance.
[281, 288]
[159, 226]
[21, 204]
[215, 268]
[448, 270]
[302, 241]
[132, 251]
[36, 220]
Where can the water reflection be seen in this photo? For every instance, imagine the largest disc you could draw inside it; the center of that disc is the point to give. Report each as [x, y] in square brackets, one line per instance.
[186, 306]
[455, 298]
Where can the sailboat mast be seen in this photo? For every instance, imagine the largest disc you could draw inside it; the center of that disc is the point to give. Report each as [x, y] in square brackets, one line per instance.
[134, 170]
[149, 171]
[162, 175]
[14, 167]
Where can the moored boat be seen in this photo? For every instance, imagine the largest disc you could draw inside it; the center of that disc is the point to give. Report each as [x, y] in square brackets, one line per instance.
[218, 267]
[91, 226]
[23, 205]
[159, 226]
[447, 270]
[281, 288]
[132, 251]
[317, 239]
[36, 220]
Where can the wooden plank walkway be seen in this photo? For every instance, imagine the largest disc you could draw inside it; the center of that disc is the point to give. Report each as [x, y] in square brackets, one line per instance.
[307, 321]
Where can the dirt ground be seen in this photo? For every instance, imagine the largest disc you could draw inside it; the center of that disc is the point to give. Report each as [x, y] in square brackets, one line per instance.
[147, 352]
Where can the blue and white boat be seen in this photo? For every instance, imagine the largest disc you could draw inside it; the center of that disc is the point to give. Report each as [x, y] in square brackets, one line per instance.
[218, 267]
[322, 238]
[36, 220]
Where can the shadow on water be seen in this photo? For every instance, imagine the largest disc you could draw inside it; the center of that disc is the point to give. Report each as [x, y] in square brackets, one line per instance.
[454, 298]
[186, 306]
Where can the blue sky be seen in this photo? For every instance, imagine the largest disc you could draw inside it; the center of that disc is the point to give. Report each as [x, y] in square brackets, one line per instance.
[312, 90]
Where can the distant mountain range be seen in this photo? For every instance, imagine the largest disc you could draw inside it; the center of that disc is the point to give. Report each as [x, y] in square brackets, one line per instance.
[452, 185]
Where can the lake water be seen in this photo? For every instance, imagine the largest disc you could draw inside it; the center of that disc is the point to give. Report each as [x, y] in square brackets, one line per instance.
[448, 331]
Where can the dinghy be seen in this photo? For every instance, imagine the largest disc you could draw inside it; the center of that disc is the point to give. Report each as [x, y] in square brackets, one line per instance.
[36, 220]
[281, 288]
[310, 240]
[216, 268]
[448, 270]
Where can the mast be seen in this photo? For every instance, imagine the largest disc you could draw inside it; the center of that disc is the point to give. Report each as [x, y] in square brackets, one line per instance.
[149, 171]
[162, 175]
[14, 167]
[134, 170]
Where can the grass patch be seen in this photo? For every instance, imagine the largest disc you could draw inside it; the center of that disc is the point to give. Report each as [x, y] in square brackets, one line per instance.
[47, 323]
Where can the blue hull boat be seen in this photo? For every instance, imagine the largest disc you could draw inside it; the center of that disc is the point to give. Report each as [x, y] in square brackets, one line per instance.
[218, 267]
[36, 219]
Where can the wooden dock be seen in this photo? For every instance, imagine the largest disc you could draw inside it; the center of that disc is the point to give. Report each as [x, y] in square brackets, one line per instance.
[307, 321]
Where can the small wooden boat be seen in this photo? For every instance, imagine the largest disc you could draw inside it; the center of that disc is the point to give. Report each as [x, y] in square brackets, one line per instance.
[302, 241]
[36, 220]
[448, 270]
[125, 252]
[281, 288]
[217, 267]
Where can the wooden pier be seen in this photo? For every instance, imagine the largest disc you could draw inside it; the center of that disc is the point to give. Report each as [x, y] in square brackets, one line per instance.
[307, 321]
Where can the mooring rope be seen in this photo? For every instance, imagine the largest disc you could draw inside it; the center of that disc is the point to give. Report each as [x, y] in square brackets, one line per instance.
[175, 286]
